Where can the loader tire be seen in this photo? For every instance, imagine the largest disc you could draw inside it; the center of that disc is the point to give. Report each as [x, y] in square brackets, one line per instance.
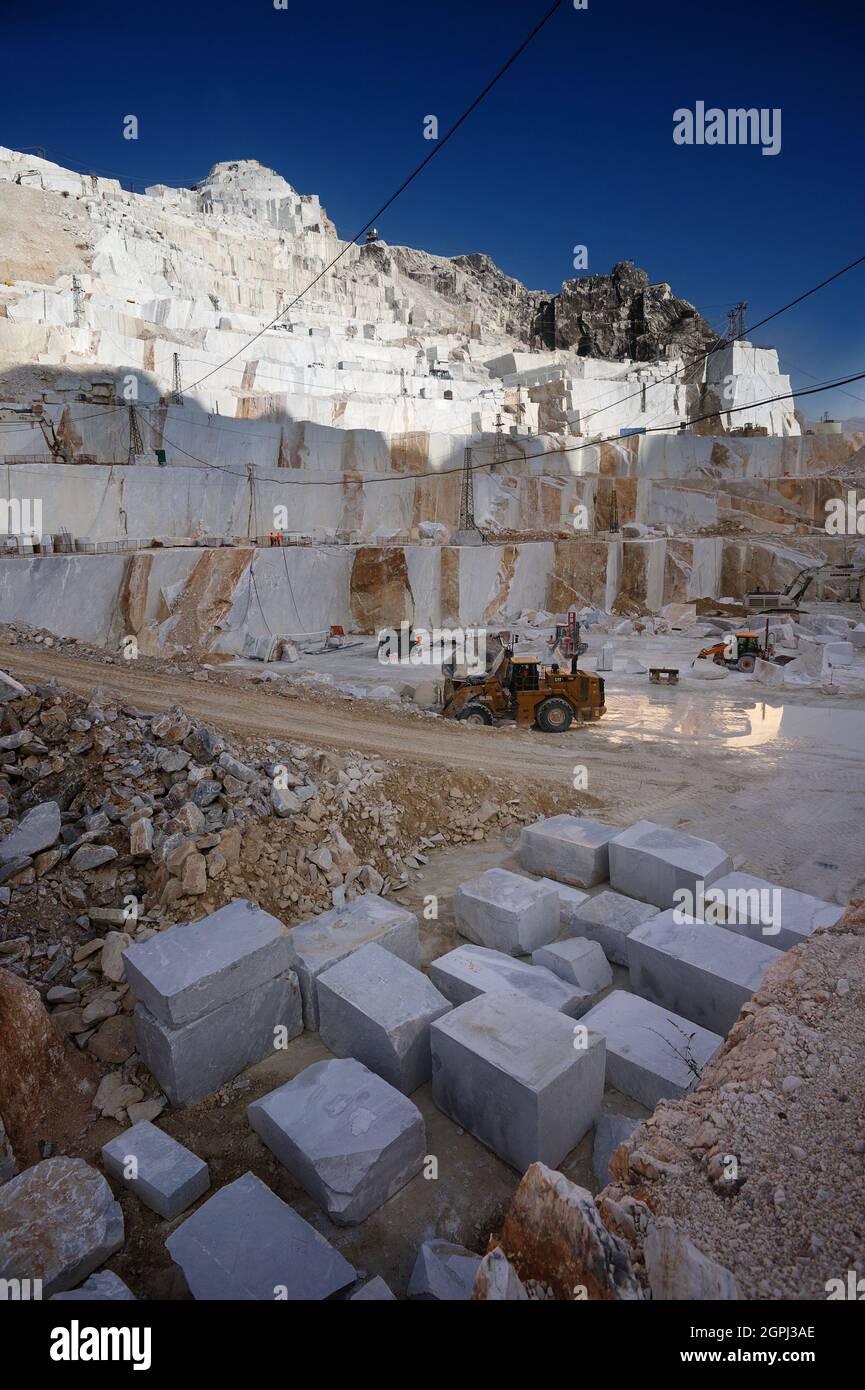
[747, 661]
[554, 716]
[475, 713]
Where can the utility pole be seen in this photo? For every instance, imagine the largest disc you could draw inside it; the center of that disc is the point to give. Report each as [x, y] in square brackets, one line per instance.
[135, 444]
[177, 389]
[77, 302]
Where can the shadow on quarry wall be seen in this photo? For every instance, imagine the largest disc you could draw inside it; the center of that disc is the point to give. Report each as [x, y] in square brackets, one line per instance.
[94, 423]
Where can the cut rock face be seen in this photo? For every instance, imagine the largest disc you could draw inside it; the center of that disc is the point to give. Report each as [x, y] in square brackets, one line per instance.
[349, 1138]
[164, 1175]
[325, 940]
[652, 1053]
[469, 971]
[553, 1234]
[702, 972]
[58, 1222]
[244, 1243]
[375, 1007]
[516, 1076]
[608, 918]
[507, 912]
[185, 972]
[578, 962]
[571, 849]
[443, 1271]
[651, 862]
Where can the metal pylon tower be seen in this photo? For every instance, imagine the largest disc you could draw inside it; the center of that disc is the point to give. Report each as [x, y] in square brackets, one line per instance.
[736, 320]
[499, 446]
[177, 388]
[467, 500]
[614, 511]
[135, 443]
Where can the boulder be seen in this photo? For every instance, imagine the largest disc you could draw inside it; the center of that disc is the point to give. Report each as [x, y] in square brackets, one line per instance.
[443, 1271]
[58, 1222]
[37, 830]
[553, 1234]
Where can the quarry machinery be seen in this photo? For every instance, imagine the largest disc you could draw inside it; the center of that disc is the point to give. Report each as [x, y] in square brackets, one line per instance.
[524, 689]
[786, 600]
[738, 651]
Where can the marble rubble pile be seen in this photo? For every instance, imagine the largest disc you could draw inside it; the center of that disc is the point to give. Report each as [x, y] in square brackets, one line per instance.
[116, 825]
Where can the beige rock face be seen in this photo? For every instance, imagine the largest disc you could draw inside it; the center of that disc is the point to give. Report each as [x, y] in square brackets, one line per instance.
[40, 1074]
[553, 1234]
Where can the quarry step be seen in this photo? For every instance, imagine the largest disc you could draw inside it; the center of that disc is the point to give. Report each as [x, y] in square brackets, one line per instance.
[470, 971]
[652, 862]
[244, 1243]
[570, 849]
[507, 912]
[198, 1057]
[349, 1138]
[518, 1076]
[163, 1174]
[652, 1053]
[195, 967]
[608, 918]
[702, 972]
[325, 940]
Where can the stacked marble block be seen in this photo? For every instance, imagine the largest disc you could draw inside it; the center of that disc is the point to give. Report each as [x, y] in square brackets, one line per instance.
[345, 1128]
[507, 1062]
[688, 988]
[213, 996]
[324, 941]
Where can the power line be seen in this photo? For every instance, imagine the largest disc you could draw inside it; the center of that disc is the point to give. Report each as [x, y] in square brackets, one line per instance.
[437, 147]
[514, 458]
[725, 342]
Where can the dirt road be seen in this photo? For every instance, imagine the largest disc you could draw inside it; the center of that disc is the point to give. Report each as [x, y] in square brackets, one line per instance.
[522, 754]
[788, 808]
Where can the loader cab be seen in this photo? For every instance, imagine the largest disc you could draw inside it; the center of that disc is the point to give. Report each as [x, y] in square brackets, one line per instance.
[525, 674]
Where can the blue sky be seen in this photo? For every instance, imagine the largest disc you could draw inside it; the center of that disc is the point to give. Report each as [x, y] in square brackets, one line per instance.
[573, 146]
